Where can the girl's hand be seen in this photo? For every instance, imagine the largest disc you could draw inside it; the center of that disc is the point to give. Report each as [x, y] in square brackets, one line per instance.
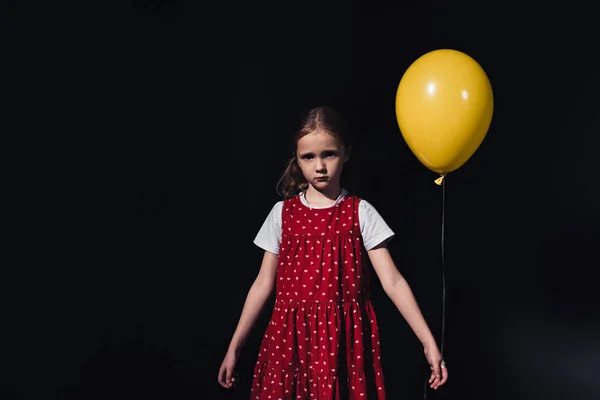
[439, 372]
[227, 375]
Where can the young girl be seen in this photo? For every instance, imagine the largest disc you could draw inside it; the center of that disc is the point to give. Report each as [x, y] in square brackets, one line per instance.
[322, 341]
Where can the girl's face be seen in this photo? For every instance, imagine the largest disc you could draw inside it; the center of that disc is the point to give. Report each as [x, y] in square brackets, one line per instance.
[321, 159]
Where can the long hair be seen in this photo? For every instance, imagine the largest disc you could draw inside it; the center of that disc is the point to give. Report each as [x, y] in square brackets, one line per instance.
[323, 119]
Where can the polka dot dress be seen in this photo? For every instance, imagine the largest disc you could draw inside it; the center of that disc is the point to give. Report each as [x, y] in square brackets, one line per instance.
[322, 342]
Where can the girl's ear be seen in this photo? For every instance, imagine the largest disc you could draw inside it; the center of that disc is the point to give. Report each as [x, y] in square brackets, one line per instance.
[347, 153]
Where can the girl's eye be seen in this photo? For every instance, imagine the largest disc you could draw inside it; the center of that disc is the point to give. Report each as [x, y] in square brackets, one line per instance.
[330, 154]
[307, 157]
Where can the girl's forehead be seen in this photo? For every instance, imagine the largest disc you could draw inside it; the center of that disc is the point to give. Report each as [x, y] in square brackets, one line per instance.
[317, 139]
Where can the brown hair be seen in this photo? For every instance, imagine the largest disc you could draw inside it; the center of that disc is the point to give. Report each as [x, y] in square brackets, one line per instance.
[324, 119]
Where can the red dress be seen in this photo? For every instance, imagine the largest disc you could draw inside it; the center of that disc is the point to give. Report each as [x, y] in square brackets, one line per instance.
[322, 342]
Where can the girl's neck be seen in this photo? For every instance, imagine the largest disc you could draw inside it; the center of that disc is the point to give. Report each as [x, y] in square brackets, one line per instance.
[322, 198]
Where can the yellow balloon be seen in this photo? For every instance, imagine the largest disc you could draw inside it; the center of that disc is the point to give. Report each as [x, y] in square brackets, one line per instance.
[444, 107]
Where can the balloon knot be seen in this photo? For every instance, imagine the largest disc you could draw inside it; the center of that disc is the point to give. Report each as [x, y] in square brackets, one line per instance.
[439, 180]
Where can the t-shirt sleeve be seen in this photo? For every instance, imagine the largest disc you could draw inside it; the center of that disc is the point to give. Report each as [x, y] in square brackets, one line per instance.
[269, 235]
[373, 227]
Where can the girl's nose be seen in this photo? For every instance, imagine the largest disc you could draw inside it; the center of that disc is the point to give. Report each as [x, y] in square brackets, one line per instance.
[320, 166]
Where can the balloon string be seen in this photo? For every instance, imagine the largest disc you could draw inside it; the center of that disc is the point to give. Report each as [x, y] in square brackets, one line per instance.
[442, 182]
[443, 262]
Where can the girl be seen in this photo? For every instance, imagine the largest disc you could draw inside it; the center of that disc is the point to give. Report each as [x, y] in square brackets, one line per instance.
[322, 341]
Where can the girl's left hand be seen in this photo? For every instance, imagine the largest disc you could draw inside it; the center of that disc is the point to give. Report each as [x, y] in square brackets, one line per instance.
[439, 372]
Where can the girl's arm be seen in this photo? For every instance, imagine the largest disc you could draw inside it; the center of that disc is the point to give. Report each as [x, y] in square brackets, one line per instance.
[398, 290]
[258, 295]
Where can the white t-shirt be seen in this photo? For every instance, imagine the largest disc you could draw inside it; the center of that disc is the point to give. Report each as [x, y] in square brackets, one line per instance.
[373, 228]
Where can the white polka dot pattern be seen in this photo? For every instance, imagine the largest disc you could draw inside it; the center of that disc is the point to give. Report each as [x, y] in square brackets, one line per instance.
[322, 342]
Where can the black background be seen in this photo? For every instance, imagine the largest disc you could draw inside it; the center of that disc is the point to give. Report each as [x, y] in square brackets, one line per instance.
[149, 139]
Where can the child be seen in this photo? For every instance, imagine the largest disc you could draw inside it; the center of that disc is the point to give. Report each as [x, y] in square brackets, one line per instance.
[322, 341]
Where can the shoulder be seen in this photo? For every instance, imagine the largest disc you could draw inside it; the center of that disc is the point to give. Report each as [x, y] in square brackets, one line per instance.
[288, 203]
[367, 211]
[364, 206]
[369, 214]
[373, 226]
[277, 210]
[351, 197]
[269, 236]
[274, 214]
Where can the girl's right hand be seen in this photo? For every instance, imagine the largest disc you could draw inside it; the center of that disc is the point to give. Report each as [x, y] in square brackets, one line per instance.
[227, 375]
